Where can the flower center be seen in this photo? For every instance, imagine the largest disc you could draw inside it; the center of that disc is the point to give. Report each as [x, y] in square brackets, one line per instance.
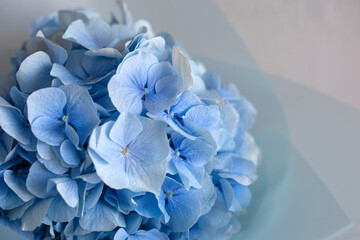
[169, 195]
[145, 91]
[124, 151]
[65, 118]
[177, 153]
[87, 79]
[171, 114]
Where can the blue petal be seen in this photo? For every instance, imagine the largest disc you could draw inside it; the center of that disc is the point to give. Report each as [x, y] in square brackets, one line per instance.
[101, 32]
[242, 171]
[206, 117]
[122, 200]
[59, 210]
[133, 222]
[68, 189]
[182, 67]
[184, 211]
[242, 198]
[34, 72]
[18, 97]
[212, 80]
[110, 218]
[48, 130]
[77, 32]
[57, 53]
[81, 110]
[34, 215]
[37, 179]
[190, 176]
[165, 95]
[69, 153]
[126, 128]
[147, 206]
[93, 196]
[74, 63]
[17, 184]
[60, 72]
[13, 122]
[48, 102]
[152, 234]
[125, 88]
[196, 152]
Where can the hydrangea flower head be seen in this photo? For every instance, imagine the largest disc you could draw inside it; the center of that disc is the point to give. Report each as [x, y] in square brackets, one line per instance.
[114, 132]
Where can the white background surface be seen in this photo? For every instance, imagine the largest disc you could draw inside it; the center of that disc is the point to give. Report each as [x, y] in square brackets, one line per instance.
[271, 45]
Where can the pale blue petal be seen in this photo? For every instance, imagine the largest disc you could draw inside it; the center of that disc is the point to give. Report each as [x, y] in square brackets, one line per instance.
[48, 130]
[126, 128]
[184, 211]
[186, 101]
[17, 184]
[133, 222]
[13, 122]
[125, 88]
[34, 215]
[71, 133]
[196, 152]
[165, 95]
[77, 32]
[44, 150]
[190, 176]
[206, 117]
[57, 53]
[182, 66]
[48, 102]
[110, 218]
[53, 165]
[159, 71]
[68, 189]
[242, 171]
[18, 97]
[37, 179]
[100, 32]
[242, 198]
[93, 196]
[59, 210]
[227, 192]
[34, 72]
[212, 80]
[122, 200]
[69, 153]
[18, 212]
[147, 206]
[121, 234]
[60, 72]
[74, 63]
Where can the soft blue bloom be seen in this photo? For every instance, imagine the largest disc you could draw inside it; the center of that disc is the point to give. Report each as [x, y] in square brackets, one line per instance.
[114, 132]
[189, 108]
[34, 72]
[152, 234]
[188, 158]
[54, 113]
[180, 207]
[130, 153]
[143, 82]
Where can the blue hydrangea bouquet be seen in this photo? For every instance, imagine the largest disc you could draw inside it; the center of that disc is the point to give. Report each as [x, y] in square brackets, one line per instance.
[113, 132]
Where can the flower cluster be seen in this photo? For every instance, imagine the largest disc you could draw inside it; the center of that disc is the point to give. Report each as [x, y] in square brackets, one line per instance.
[113, 132]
